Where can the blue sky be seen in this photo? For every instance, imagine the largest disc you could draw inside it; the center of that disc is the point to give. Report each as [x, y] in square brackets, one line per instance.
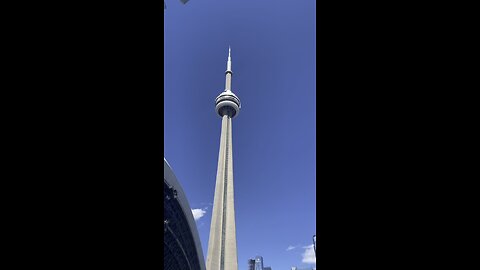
[274, 149]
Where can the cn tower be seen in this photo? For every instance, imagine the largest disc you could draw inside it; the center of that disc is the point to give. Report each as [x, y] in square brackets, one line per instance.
[222, 245]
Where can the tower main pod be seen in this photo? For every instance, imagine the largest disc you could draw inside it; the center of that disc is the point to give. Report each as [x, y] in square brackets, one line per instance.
[222, 245]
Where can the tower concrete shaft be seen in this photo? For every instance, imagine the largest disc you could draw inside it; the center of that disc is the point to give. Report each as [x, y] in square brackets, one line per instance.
[222, 245]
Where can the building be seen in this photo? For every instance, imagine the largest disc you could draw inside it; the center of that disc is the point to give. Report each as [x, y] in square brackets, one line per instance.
[182, 249]
[222, 244]
[251, 264]
[259, 263]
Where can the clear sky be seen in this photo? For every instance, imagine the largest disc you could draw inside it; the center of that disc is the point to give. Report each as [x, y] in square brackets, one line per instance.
[274, 150]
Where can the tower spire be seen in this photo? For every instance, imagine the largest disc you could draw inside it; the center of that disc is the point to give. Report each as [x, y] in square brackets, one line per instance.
[228, 72]
[229, 61]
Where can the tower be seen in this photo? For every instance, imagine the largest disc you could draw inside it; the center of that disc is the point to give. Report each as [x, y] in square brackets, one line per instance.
[222, 244]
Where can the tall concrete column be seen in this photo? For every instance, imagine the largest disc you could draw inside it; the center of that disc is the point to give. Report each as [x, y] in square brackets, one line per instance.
[222, 245]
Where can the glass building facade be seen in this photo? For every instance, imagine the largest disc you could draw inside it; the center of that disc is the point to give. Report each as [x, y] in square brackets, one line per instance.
[251, 264]
[182, 249]
[259, 263]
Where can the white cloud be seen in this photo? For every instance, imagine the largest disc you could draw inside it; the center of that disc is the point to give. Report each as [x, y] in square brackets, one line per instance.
[198, 213]
[290, 248]
[309, 255]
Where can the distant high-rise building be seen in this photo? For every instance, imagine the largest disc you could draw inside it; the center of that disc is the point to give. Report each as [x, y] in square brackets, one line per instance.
[251, 264]
[259, 263]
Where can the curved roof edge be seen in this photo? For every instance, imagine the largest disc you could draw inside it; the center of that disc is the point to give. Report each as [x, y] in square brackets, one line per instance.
[171, 179]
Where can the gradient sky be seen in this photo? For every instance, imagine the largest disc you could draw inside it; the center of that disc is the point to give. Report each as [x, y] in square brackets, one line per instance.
[274, 150]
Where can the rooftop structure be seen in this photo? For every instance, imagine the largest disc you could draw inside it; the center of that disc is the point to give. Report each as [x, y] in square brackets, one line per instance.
[182, 247]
